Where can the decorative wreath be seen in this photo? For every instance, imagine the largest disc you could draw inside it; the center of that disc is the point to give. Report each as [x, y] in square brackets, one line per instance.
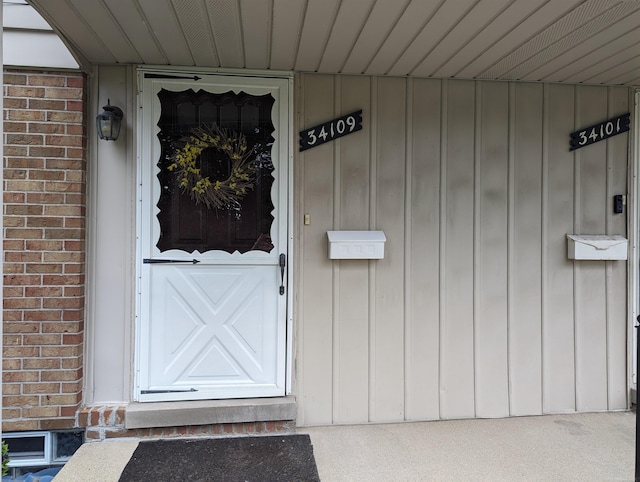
[218, 194]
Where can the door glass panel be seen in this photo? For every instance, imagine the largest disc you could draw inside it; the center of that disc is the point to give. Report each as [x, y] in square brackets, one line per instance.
[241, 223]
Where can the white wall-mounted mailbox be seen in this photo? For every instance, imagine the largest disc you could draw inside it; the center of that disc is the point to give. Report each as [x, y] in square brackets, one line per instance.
[597, 247]
[356, 244]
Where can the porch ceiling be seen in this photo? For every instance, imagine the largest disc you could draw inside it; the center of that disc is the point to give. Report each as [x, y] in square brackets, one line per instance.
[573, 41]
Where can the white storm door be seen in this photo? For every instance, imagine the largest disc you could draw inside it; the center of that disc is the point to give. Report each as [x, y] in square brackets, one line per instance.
[213, 237]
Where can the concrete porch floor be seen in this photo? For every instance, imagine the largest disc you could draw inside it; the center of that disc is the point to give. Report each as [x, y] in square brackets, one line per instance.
[585, 447]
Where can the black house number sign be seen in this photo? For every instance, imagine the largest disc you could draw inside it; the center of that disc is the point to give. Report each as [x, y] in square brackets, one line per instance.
[599, 132]
[331, 130]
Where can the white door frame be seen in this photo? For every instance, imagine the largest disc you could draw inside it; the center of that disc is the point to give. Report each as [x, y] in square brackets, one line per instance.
[286, 151]
[633, 206]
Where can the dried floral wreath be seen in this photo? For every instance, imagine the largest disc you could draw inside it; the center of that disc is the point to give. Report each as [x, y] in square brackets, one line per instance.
[218, 194]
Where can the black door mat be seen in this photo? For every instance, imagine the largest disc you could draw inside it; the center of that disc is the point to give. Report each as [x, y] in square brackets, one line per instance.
[251, 459]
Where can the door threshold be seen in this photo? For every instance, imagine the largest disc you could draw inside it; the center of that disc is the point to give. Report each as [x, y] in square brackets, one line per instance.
[206, 412]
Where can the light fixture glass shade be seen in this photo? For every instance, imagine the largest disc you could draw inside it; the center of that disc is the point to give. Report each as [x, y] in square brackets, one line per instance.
[108, 123]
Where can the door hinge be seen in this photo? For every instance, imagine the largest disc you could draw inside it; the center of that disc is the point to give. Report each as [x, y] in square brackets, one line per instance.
[150, 392]
[164, 261]
[167, 76]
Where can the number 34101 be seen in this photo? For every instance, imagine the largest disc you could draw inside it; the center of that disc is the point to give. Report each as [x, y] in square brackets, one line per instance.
[599, 132]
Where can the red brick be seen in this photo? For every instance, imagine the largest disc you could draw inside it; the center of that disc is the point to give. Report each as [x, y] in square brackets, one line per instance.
[25, 139]
[73, 315]
[48, 339]
[13, 291]
[8, 413]
[75, 81]
[25, 115]
[24, 91]
[14, 221]
[20, 376]
[25, 162]
[21, 351]
[46, 80]
[23, 209]
[14, 197]
[61, 327]
[73, 268]
[46, 104]
[57, 424]
[42, 315]
[15, 174]
[20, 425]
[47, 151]
[16, 268]
[21, 327]
[62, 140]
[12, 389]
[71, 245]
[15, 279]
[23, 233]
[62, 280]
[75, 105]
[68, 363]
[65, 116]
[11, 364]
[47, 175]
[63, 233]
[73, 291]
[68, 411]
[40, 363]
[120, 433]
[45, 198]
[75, 153]
[14, 103]
[62, 210]
[10, 245]
[44, 245]
[40, 412]
[44, 221]
[72, 339]
[44, 291]
[54, 399]
[63, 303]
[19, 400]
[21, 303]
[40, 388]
[11, 315]
[14, 79]
[59, 375]
[43, 268]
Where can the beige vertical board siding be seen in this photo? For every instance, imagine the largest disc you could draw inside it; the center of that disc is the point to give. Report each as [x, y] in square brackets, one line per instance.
[457, 391]
[616, 271]
[558, 361]
[423, 321]
[111, 244]
[316, 342]
[387, 346]
[475, 309]
[351, 323]
[590, 286]
[491, 249]
[525, 249]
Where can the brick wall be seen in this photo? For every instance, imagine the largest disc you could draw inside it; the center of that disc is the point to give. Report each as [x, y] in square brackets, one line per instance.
[44, 242]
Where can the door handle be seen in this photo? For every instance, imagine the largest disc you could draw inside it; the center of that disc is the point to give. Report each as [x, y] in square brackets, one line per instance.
[283, 263]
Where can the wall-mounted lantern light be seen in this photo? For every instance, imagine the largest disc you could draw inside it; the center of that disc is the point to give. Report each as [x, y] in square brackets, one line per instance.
[108, 123]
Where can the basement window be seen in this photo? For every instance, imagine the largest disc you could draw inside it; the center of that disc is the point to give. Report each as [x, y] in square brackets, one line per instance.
[31, 452]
